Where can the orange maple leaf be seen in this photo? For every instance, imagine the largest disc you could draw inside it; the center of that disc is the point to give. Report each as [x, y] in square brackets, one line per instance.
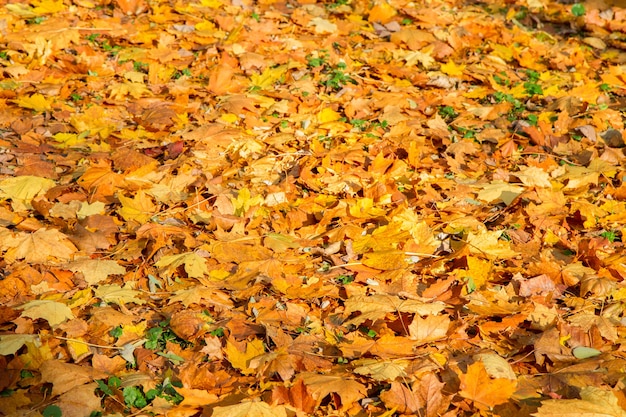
[485, 392]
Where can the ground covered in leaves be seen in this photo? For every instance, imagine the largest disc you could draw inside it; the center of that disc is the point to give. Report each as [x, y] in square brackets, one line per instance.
[277, 209]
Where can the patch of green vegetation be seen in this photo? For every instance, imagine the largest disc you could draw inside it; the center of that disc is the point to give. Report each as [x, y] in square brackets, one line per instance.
[345, 279]
[578, 10]
[157, 337]
[609, 235]
[447, 112]
[334, 78]
[186, 72]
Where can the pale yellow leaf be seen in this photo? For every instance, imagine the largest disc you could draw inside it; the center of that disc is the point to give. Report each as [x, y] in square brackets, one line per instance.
[42, 246]
[489, 243]
[496, 366]
[118, 295]
[593, 402]
[452, 69]
[429, 329]
[194, 264]
[52, 311]
[323, 26]
[499, 190]
[250, 409]
[11, 343]
[534, 177]
[96, 270]
[381, 370]
[21, 190]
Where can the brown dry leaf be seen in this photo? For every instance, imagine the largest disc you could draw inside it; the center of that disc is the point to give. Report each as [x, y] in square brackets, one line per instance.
[297, 396]
[322, 385]
[80, 400]
[65, 377]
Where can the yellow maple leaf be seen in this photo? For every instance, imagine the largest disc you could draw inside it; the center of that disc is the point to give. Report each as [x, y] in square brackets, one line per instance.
[21, 190]
[269, 76]
[453, 69]
[119, 91]
[327, 115]
[68, 140]
[593, 402]
[118, 295]
[489, 243]
[52, 311]
[35, 102]
[195, 265]
[95, 120]
[363, 208]
[48, 6]
[385, 260]
[245, 201]
[477, 272]
[140, 208]
[96, 270]
[240, 360]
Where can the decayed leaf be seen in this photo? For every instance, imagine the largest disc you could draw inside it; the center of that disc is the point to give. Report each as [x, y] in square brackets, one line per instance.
[484, 391]
[80, 401]
[424, 397]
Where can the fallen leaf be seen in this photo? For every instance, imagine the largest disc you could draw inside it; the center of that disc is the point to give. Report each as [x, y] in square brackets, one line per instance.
[593, 402]
[52, 311]
[485, 392]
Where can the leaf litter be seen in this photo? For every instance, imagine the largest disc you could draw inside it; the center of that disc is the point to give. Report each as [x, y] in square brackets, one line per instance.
[341, 208]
